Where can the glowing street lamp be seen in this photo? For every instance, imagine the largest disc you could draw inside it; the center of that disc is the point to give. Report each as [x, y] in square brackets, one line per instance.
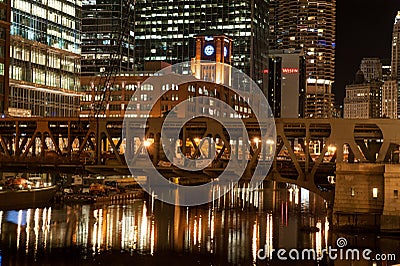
[147, 143]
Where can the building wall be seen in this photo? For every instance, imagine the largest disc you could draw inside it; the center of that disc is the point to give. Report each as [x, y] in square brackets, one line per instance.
[355, 203]
[371, 68]
[125, 86]
[389, 99]
[102, 24]
[363, 101]
[5, 13]
[45, 57]
[390, 219]
[396, 57]
[286, 83]
[309, 25]
[165, 31]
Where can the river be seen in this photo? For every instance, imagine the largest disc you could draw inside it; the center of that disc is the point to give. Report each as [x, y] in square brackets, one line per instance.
[246, 227]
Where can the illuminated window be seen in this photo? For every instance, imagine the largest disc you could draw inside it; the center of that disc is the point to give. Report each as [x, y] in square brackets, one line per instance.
[375, 192]
[353, 192]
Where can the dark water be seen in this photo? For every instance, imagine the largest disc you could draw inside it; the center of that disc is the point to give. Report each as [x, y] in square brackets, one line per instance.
[230, 231]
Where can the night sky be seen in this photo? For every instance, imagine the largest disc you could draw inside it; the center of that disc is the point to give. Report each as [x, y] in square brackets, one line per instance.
[364, 29]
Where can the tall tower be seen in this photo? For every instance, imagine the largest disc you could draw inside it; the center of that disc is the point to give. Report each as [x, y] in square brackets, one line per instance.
[102, 24]
[217, 50]
[165, 31]
[45, 58]
[5, 11]
[396, 58]
[309, 25]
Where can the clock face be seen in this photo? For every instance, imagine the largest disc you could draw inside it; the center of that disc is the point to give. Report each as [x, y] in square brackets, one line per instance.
[209, 50]
[225, 51]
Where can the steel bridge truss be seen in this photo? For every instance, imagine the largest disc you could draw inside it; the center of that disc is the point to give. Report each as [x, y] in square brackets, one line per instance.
[306, 149]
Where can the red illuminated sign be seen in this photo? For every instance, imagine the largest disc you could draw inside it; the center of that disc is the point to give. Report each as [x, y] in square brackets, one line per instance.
[286, 70]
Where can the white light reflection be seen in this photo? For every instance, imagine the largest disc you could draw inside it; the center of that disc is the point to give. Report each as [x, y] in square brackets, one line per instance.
[152, 239]
[199, 232]
[187, 238]
[269, 236]
[296, 195]
[254, 243]
[195, 232]
[36, 230]
[109, 240]
[326, 231]
[143, 228]
[19, 228]
[28, 229]
[94, 238]
[318, 239]
[1, 221]
[47, 227]
[100, 233]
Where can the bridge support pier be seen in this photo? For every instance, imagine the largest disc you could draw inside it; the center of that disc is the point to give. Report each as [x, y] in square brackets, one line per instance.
[390, 220]
[359, 195]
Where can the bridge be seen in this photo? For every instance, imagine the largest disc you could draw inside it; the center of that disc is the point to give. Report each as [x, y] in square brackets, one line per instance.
[307, 150]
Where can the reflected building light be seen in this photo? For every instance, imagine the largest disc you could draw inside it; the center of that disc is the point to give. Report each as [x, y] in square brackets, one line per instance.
[100, 233]
[123, 235]
[305, 197]
[152, 201]
[36, 229]
[199, 232]
[326, 231]
[269, 237]
[28, 229]
[318, 240]
[254, 242]
[109, 234]
[256, 198]
[47, 227]
[212, 230]
[94, 237]
[290, 194]
[251, 194]
[195, 232]
[187, 231]
[135, 234]
[152, 241]
[143, 228]
[19, 228]
[296, 195]
[83, 227]
[1, 221]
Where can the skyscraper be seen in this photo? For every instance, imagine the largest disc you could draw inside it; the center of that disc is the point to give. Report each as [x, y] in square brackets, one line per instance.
[396, 57]
[165, 30]
[102, 24]
[371, 68]
[363, 99]
[286, 83]
[309, 25]
[45, 58]
[5, 8]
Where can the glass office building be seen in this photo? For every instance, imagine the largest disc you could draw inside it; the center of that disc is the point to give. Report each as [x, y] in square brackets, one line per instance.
[45, 57]
[103, 21]
[4, 54]
[165, 31]
[309, 25]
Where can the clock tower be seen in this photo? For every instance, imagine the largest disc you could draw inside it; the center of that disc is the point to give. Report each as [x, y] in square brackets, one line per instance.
[213, 58]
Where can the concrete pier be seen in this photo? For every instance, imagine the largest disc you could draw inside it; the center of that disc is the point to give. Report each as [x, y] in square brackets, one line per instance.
[390, 220]
[359, 195]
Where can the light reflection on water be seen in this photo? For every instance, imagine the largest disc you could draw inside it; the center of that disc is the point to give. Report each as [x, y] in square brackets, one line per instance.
[230, 230]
